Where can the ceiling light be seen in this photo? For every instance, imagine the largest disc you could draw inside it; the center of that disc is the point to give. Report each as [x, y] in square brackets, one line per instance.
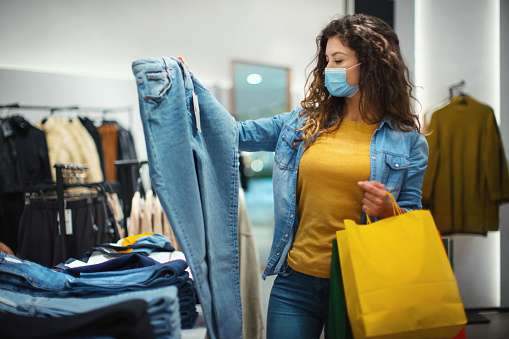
[254, 79]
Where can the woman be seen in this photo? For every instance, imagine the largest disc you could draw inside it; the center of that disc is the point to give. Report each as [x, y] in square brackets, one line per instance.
[354, 138]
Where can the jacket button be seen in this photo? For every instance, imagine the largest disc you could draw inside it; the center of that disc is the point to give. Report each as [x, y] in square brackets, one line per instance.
[291, 216]
[278, 253]
[286, 235]
[373, 157]
[397, 165]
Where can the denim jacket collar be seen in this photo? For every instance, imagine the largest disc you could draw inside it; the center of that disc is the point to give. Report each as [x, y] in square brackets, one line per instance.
[389, 122]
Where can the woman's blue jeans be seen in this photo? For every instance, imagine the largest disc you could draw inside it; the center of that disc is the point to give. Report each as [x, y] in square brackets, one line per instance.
[193, 157]
[298, 306]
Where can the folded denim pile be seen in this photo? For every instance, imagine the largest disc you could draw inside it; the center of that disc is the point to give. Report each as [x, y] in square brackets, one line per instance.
[31, 293]
[128, 315]
[142, 250]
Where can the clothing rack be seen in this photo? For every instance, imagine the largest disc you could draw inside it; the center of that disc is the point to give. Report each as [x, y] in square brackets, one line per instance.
[69, 175]
[54, 109]
[124, 166]
[80, 176]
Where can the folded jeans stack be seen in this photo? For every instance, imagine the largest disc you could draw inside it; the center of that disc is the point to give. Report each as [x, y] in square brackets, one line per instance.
[140, 247]
[25, 277]
[161, 307]
[126, 319]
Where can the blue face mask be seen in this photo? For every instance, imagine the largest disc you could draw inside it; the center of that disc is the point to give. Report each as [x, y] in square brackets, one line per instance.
[335, 81]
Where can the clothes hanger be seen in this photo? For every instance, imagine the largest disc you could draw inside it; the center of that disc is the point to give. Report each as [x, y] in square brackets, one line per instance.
[457, 90]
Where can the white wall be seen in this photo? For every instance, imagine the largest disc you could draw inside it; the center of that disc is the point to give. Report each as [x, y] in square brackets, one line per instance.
[404, 26]
[459, 40]
[103, 37]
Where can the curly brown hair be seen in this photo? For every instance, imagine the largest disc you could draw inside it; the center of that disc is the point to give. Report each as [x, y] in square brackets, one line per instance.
[384, 81]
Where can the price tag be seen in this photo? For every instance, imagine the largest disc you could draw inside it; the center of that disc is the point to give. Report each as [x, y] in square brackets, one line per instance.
[68, 222]
[196, 111]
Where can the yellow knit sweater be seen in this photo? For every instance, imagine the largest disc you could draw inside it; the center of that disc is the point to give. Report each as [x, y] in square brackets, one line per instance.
[466, 177]
[327, 193]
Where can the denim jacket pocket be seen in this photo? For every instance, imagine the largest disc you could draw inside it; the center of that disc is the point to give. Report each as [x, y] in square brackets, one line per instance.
[395, 171]
[157, 84]
[286, 153]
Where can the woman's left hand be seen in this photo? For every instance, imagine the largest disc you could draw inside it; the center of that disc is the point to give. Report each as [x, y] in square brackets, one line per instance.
[376, 202]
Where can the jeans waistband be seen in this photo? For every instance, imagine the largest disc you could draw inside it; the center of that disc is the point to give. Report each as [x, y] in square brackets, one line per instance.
[166, 64]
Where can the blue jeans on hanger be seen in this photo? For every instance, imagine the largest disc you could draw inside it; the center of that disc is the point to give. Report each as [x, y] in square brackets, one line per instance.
[192, 148]
[163, 308]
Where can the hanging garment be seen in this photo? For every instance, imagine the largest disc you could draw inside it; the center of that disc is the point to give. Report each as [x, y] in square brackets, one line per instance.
[118, 214]
[10, 179]
[24, 159]
[92, 130]
[135, 217]
[127, 151]
[109, 136]
[88, 150]
[24, 162]
[146, 214]
[157, 216]
[252, 322]
[466, 178]
[191, 144]
[39, 232]
[62, 146]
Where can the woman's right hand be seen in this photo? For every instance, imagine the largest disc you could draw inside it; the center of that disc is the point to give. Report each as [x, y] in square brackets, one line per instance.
[5, 249]
[183, 61]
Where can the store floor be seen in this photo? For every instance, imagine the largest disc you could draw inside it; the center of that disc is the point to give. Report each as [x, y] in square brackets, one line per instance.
[260, 208]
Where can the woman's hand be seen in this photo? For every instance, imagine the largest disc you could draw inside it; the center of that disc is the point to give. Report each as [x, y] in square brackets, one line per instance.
[376, 202]
[5, 249]
[183, 61]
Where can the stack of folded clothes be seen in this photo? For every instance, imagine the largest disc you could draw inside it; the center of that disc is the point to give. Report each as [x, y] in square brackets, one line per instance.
[136, 295]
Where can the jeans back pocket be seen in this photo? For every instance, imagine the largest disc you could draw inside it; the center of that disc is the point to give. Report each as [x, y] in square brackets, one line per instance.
[157, 84]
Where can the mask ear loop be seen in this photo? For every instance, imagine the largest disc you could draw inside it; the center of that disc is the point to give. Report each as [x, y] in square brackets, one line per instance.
[354, 66]
[395, 208]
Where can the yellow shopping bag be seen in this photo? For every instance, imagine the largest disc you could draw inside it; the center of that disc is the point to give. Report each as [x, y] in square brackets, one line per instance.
[397, 279]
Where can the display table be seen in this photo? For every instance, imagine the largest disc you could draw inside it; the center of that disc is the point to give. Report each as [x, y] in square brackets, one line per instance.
[199, 331]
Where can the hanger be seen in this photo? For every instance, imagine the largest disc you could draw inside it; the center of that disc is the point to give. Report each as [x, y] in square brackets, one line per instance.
[457, 90]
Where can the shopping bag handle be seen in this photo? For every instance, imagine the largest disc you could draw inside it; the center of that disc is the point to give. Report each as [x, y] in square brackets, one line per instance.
[395, 208]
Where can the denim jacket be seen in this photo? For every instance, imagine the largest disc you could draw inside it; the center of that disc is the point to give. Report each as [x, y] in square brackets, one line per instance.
[398, 160]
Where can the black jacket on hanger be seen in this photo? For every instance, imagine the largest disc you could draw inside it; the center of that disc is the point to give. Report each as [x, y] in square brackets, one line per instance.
[126, 151]
[24, 161]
